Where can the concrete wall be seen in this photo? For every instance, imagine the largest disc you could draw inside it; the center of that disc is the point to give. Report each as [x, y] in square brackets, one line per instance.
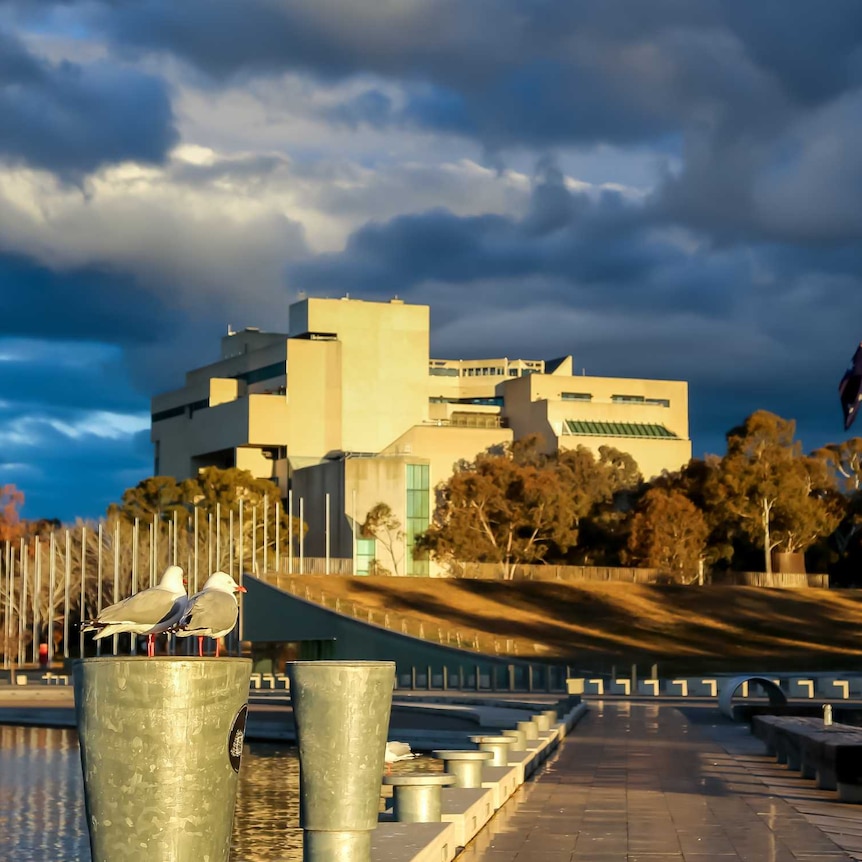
[384, 353]
[535, 405]
[271, 616]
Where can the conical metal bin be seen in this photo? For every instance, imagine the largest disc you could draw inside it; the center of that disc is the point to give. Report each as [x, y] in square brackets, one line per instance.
[161, 740]
[341, 709]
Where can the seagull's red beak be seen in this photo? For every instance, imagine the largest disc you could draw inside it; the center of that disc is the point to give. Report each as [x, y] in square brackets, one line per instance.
[185, 582]
[240, 589]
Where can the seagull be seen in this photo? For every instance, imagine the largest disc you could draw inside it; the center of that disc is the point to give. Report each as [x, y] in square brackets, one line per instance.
[212, 612]
[148, 612]
[396, 751]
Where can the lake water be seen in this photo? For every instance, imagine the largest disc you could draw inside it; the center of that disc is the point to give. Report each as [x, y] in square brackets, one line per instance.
[42, 800]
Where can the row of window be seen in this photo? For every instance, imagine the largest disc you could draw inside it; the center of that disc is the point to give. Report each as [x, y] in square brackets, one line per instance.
[182, 410]
[482, 371]
[267, 372]
[617, 399]
[640, 399]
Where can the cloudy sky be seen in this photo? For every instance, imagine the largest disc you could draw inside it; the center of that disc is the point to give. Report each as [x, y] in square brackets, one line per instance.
[663, 189]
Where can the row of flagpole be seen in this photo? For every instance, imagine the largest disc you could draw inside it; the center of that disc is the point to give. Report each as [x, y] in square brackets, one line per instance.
[88, 567]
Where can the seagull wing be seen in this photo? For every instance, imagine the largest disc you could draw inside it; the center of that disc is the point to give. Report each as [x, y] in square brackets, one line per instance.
[171, 618]
[138, 612]
[211, 613]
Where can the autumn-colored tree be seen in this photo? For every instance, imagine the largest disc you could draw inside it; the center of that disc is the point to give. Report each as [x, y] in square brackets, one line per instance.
[668, 532]
[773, 491]
[382, 525]
[601, 489]
[695, 481]
[157, 496]
[212, 493]
[496, 510]
[11, 525]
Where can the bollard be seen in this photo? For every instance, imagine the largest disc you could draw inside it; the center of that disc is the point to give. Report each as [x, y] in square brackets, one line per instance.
[551, 715]
[519, 740]
[827, 714]
[416, 796]
[543, 724]
[466, 766]
[341, 709]
[161, 740]
[530, 730]
[497, 745]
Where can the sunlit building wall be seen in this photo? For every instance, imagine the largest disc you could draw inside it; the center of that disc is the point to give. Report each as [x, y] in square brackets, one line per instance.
[348, 409]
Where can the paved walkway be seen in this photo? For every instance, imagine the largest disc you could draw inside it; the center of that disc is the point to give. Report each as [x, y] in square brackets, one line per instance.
[646, 783]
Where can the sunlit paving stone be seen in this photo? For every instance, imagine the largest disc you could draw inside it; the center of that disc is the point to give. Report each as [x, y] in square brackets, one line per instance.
[644, 784]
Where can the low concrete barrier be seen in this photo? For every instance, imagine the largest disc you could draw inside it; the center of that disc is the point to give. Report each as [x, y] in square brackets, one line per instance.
[465, 810]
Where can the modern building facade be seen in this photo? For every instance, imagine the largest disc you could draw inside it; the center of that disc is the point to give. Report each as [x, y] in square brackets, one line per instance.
[348, 409]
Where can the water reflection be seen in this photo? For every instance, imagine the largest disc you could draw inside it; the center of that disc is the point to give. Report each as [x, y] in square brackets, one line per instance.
[41, 796]
[266, 823]
[42, 799]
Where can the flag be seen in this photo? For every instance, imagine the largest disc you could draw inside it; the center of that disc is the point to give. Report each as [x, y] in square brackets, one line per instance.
[849, 388]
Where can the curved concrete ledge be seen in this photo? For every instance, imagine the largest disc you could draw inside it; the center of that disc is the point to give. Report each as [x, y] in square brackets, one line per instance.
[731, 686]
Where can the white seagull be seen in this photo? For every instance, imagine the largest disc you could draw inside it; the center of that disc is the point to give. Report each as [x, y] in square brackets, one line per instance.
[148, 612]
[212, 612]
[396, 751]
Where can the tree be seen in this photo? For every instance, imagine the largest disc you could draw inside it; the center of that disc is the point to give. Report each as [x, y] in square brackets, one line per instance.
[695, 481]
[668, 532]
[774, 492]
[11, 525]
[600, 490]
[212, 493]
[157, 496]
[497, 510]
[382, 525]
[845, 460]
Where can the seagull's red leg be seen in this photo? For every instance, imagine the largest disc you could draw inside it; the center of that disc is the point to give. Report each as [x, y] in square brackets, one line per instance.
[151, 646]
[217, 646]
[200, 646]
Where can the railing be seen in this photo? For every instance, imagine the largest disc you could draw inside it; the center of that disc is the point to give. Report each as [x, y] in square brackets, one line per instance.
[465, 639]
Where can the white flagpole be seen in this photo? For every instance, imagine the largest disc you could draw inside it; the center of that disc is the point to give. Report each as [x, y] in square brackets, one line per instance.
[326, 531]
[67, 588]
[290, 532]
[83, 589]
[301, 536]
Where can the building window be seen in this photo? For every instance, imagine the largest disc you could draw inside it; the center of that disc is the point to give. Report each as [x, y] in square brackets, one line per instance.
[576, 396]
[267, 372]
[366, 551]
[658, 402]
[628, 399]
[418, 513]
[444, 372]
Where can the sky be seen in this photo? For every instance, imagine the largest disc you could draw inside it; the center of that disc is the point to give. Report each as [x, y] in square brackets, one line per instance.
[669, 189]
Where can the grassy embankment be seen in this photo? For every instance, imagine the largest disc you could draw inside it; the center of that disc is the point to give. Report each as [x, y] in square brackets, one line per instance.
[593, 625]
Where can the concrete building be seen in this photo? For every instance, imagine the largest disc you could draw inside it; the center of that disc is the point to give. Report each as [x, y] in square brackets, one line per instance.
[348, 407]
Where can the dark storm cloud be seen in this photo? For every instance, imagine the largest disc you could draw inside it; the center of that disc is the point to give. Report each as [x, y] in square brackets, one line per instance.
[85, 303]
[758, 102]
[620, 69]
[565, 235]
[71, 118]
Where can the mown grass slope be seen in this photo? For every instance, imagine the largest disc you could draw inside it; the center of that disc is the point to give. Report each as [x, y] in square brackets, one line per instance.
[596, 624]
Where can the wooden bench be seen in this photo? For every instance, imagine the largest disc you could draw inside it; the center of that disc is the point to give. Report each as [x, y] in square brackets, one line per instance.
[831, 754]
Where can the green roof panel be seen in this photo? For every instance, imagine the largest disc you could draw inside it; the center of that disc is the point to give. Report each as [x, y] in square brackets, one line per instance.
[586, 428]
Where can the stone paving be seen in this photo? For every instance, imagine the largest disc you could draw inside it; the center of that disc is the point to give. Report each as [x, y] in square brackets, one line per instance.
[643, 782]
